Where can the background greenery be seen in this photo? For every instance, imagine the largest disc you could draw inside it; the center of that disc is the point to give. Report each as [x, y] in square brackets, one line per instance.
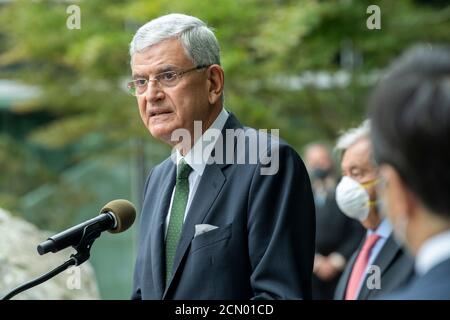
[72, 139]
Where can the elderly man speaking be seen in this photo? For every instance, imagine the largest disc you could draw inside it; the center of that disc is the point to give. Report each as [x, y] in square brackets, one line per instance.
[213, 229]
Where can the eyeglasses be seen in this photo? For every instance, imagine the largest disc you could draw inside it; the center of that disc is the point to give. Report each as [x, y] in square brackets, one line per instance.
[138, 86]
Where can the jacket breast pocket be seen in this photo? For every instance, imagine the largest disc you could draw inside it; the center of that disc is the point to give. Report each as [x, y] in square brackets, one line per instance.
[211, 237]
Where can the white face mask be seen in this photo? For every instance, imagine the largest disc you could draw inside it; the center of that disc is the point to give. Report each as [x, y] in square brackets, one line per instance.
[352, 198]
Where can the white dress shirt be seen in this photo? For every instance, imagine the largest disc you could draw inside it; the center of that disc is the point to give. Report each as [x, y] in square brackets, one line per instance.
[194, 158]
[432, 252]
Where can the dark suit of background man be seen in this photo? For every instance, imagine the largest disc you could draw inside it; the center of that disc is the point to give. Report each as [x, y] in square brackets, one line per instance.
[380, 264]
[337, 236]
[410, 112]
[213, 230]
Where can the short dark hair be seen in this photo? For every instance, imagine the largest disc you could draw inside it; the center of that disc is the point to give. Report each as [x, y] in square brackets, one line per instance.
[410, 112]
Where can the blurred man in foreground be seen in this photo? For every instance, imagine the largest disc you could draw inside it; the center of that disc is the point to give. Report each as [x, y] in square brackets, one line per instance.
[380, 264]
[410, 111]
[337, 236]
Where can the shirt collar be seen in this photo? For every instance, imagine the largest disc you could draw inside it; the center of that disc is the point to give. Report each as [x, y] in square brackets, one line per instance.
[432, 252]
[194, 157]
[384, 229]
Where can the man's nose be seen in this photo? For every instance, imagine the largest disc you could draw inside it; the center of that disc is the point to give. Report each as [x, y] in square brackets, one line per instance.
[154, 91]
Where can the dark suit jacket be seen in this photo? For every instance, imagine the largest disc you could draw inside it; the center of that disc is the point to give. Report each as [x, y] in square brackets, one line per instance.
[263, 248]
[335, 232]
[396, 266]
[433, 285]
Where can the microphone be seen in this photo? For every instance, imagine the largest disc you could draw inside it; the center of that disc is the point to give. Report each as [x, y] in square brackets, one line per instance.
[116, 216]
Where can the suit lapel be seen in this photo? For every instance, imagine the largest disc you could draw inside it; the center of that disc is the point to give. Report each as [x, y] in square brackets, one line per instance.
[207, 191]
[387, 254]
[383, 261]
[157, 233]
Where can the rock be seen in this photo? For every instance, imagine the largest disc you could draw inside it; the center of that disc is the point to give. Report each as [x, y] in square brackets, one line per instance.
[20, 263]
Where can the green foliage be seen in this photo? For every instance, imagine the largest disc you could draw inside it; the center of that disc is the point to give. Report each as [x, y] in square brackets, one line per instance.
[81, 70]
[21, 171]
[266, 45]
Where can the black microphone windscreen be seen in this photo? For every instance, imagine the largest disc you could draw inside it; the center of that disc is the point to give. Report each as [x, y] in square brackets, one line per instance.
[124, 212]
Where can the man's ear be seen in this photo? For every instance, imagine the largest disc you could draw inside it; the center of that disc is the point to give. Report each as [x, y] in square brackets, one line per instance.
[215, 83]
[402, 200]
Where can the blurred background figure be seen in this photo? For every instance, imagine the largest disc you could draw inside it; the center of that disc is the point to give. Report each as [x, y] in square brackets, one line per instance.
[410, 111]
[337, 236]
[380, 264]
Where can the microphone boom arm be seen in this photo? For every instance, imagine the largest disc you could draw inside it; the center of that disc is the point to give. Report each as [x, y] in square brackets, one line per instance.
[41, 279]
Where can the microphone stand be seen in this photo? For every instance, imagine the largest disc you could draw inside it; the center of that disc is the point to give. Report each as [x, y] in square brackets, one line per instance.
[83, 248]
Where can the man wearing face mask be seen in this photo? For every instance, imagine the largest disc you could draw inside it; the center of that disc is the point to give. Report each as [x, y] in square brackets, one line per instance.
[337, 236]
[410, 110]
[380, 264]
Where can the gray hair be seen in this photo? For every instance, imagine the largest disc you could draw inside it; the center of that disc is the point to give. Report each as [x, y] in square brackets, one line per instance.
[198, 40]
[351, 136]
